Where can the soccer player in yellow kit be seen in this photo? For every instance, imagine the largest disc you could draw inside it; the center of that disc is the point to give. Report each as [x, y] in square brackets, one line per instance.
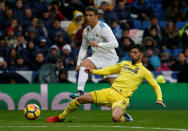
[131, 74]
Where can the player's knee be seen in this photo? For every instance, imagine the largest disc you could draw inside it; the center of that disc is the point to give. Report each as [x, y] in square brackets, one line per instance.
[116, 118]
[80, 100]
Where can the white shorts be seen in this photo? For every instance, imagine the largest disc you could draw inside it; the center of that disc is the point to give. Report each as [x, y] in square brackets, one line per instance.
[101, 63]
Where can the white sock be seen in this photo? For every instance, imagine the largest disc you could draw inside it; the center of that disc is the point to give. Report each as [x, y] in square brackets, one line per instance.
[82, 78]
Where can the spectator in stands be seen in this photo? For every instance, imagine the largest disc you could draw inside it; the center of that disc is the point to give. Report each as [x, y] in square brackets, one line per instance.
[53, 54]
[124, 47]
[12, 58]
[143, 10]
[38, 27]
[68, 60]
[9, 15]
[116, 29]
[27, 18]
[46, 19]
[109, 15]
[18, 10]
[2, 5]
[74, 50]
[3, 64]
[63, 78]
[20, 65]
[4, 50]
[154, 60]
[31, 35]
[42, 46]
[160, 31]
[55, 12]
[49, 71]
[38, 62]
[165, 64]
[179, 63]
[18, 29]
[29, 52]
[124, 15]
[111, 3]
[78, 20]
[100, 15]
[60, 42]
[56, 30]
[10, 37]
[147, 63]
[175, 11]
[153, 34]
[172, 36]
[20, 45]
[39, 6]
[78, 35]
[150, 43]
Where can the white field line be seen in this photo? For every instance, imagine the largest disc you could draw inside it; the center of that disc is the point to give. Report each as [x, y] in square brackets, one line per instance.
[99, 126]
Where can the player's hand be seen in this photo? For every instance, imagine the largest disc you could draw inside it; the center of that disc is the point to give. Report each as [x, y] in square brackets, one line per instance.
[161, 103]
[88, 70]
[94, 44]
[77, 68]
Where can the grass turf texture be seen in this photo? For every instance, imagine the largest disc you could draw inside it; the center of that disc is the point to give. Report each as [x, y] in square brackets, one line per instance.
[144, 120]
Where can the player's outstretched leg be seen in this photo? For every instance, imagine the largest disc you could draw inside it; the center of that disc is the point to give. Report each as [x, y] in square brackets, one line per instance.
[87, 98]
[60, 118]
[118, 115]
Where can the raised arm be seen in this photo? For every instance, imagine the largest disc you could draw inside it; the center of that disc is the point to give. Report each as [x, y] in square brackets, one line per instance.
[156, 87]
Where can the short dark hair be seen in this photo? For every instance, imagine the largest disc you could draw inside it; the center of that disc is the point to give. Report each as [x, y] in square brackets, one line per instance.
[139, 47]
[92, 8]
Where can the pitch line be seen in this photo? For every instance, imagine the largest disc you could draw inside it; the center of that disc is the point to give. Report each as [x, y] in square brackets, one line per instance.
[99, 126]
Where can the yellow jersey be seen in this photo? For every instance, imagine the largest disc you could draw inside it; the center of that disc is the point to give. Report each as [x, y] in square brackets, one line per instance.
[130, 77]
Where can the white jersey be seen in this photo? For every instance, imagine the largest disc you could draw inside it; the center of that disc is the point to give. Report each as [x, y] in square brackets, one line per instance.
[106, 40]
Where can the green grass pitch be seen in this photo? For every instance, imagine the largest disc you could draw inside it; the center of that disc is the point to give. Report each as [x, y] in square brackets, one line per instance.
[144, 120]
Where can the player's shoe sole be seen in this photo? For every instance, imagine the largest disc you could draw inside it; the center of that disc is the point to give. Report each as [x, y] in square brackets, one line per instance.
[54, 119]
[128, 117]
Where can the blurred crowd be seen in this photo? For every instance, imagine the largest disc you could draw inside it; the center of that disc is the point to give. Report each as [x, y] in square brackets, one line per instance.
[32, 38]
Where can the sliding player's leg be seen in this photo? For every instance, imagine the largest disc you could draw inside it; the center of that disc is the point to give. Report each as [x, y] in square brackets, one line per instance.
[118, 110]
[118, 115]
[82, 78]
[87, 98]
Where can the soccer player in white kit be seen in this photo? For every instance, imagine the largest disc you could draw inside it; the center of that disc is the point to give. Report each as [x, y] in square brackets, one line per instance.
[100, 37]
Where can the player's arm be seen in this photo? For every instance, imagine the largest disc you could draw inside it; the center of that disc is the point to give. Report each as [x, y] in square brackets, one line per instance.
[83, 49]
[110, 39]
[105, 71]
[149, 77]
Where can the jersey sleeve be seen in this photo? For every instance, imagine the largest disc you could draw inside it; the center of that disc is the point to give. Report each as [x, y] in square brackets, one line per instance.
[108, 70]
[83, 49]
[108, 36]
[149, 77]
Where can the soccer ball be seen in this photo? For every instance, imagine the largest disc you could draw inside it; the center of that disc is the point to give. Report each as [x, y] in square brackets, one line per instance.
[32, 111]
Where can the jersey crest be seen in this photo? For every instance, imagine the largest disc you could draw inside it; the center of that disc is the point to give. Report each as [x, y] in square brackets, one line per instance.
[97, 34]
